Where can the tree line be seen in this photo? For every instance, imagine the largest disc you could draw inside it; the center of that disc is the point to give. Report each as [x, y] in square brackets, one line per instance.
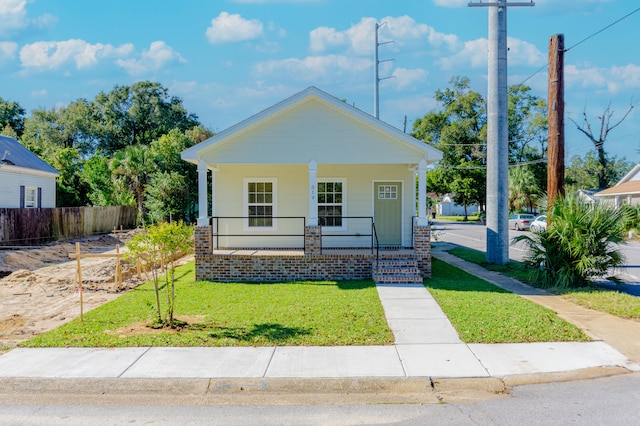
[458, 127]
[123, 148]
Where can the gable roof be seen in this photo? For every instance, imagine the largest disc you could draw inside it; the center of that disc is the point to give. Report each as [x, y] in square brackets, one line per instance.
[629, 184]
[14, 154]
[630, 187]
[283, 121]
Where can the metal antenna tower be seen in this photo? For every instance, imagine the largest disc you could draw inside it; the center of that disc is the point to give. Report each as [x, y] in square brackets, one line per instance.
[376, 79]
[498, 133]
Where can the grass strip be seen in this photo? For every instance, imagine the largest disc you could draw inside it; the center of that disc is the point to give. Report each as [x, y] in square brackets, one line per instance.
[613, 302]
[484, 313]
[237, 314]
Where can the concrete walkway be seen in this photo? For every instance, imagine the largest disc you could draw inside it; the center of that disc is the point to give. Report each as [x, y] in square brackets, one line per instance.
[426, 345]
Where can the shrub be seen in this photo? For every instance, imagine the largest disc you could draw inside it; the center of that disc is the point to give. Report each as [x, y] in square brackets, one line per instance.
[579, 244]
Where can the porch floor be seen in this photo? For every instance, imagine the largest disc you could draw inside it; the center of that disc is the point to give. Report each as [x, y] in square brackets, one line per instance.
[300, 252]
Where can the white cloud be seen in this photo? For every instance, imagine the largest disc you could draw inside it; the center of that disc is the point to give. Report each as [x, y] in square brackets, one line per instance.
[155, 58]
[404, 78]
[615, 79]
[314, 68]
[14, 17]
[475, 54]
[8, 51]
[39, 93]
[451, 3]
[403, 31]
[52, 55]
[228, 28]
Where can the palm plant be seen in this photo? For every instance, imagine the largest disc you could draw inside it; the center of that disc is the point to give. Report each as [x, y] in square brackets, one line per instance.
[523, 189]
[580, 243]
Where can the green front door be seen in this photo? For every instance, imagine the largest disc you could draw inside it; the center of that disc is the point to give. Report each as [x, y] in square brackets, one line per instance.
[387, 212]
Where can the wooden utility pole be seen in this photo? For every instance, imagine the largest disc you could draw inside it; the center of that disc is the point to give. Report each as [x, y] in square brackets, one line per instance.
[555, 147]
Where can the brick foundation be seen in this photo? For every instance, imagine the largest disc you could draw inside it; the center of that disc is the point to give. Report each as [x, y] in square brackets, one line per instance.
[312, 240]
[422, 247]
[278, 268]
[203, 237]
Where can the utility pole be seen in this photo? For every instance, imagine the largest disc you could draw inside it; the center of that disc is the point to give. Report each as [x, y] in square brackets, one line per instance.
[498, 133]
[555, 147]
[376, 79]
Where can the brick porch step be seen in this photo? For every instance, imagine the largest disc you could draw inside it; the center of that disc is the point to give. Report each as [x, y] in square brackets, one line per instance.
[397, 271]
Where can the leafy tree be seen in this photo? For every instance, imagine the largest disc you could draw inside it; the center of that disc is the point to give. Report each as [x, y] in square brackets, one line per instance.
[11, 116]
[66, 127]
[585, 172]
[157, 247]
[600, 139]
[579, 244]
[137, 115]
[166, 197]
[104, 190]
[458, 129]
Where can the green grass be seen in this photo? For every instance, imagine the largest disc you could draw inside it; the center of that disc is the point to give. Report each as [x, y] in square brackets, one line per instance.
[470, 218]
[484, 313]
[512, 269]
[604, 300]
[301, 313]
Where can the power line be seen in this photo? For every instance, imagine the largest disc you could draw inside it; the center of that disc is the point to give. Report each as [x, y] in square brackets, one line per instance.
[582, 41]
[603, 29]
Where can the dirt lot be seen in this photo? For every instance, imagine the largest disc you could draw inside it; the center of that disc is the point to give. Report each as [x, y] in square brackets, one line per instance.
[38, 291]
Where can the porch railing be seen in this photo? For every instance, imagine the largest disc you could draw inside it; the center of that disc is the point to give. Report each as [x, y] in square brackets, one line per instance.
[239, 230]
[257, 232]
[371, 235]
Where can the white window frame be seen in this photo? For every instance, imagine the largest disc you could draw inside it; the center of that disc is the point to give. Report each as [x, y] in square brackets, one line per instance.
[27, 191]
[343, 182]
[274, 204]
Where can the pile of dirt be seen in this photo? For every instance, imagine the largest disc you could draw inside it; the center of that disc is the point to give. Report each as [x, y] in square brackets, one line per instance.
[39, 290]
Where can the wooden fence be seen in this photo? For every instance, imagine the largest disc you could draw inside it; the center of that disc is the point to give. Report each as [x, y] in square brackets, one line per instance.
[19, 227]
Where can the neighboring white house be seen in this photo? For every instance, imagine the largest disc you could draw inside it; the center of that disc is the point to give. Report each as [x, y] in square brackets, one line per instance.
[25, 180]
[447, 207]
[625, 191]
[309, 165]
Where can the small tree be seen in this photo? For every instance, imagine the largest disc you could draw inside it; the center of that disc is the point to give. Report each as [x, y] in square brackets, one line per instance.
[579, 244]
[158, 247]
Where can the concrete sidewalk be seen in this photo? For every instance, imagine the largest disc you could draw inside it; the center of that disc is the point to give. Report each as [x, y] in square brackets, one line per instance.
[426, 345]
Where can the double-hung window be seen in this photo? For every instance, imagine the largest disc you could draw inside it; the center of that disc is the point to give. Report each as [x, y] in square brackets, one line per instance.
[260, 198]
[331, 203]
[30, 197]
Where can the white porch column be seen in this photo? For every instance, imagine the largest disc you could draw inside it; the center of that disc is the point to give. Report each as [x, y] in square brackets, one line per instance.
[203, 217]
[313, 194]
[213, 190]
[422, 193]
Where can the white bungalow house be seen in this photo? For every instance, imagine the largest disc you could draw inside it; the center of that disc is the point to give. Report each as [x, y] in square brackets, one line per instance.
[310, 188]
[626, 191]
[27, 181]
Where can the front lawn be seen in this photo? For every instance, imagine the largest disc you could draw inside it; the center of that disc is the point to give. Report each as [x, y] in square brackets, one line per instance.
[484, 313]
[610, 301]
[303, 313]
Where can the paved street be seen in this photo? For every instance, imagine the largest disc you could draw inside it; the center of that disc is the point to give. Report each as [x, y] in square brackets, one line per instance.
[473, 235]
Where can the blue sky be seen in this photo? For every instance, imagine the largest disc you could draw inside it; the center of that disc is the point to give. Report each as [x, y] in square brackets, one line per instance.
[229, 59]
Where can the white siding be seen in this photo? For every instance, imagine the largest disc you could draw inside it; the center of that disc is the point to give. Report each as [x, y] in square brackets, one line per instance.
[10, 188]
[311, 131]
[293, 201]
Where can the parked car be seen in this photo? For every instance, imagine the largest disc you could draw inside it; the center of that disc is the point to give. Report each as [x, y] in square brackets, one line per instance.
[520, 221]
[539, 223]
